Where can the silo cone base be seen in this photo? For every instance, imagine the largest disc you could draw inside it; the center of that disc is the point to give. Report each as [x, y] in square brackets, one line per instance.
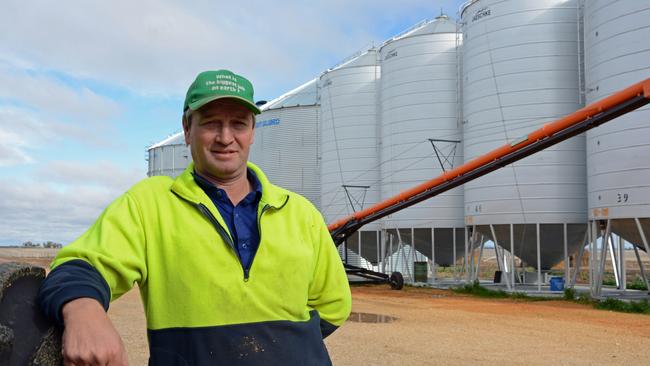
[26, 337]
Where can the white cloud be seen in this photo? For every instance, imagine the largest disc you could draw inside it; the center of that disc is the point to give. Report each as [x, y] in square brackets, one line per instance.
[61, 64]
[105, 174]
[41, 92]
[12, 154]
[61, 201]
[157, 46]
[24, 131]
[37, 212]
[12, 145]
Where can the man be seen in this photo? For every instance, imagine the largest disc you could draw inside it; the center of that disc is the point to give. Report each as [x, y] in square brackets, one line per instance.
[232, 270]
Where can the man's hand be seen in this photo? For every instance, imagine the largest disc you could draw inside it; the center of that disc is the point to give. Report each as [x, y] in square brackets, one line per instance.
[89, 337]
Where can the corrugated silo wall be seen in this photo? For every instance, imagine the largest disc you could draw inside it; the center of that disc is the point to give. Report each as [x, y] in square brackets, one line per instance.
[286, 148]
[617, 50]
[349, 149]
[520, 70]
[418, 102]
[170, 160]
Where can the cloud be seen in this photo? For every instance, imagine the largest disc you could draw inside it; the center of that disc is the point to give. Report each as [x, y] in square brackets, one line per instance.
[158, 46]
[38, 212]
[105, 174]
[24, 132]
[12, 144]
[39, 111]
[45, 93]
[60, 201]
[12, 155]
[70, 72]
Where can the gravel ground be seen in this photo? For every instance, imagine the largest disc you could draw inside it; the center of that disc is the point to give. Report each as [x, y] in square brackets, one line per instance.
[437, 327]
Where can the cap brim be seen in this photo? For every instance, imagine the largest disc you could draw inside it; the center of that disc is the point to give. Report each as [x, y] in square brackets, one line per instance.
[201, 102]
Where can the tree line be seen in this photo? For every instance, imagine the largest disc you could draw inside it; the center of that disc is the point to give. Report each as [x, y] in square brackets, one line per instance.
[45, 244]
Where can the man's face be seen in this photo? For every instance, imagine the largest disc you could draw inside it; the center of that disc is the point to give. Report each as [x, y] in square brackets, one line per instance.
[220, 135]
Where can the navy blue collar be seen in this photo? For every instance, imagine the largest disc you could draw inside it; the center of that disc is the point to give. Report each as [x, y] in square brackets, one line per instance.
[250, 175]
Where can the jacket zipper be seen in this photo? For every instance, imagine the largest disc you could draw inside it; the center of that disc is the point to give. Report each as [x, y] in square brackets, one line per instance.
[224, 234]
[259, 231]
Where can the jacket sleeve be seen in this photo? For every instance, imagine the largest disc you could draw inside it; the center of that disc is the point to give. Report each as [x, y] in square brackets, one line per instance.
[103, 263]
[71, 280]
[329, 292]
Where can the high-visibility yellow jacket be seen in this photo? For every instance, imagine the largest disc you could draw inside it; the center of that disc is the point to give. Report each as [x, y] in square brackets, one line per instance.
[202, 309]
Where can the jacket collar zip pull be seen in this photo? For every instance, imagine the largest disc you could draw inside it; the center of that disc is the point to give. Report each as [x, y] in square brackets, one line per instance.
[265, 208]
[224, 234]
[259, 230]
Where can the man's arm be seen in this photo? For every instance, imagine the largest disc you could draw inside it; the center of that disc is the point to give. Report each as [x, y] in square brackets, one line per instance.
[72, 280]
[329, 292]
[86, 275]
[89, 337]
[75, 295]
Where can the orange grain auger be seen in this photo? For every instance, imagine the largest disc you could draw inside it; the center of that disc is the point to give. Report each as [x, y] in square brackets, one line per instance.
[549, 134]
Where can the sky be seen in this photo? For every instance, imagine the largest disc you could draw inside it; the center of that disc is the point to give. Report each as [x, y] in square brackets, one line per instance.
[86, 86]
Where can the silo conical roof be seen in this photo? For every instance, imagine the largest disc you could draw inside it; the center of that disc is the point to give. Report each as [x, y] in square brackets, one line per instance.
[441, 24]
[366, 58]
[305, 94]
[175, 139]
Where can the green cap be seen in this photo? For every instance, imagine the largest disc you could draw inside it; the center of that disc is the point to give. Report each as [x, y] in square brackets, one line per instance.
[213, 85]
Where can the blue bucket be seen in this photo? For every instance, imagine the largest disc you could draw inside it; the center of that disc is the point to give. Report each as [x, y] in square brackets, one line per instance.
[557, 284]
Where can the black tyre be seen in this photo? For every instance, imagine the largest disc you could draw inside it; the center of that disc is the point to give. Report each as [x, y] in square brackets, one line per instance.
[26, 337]
[396, 281]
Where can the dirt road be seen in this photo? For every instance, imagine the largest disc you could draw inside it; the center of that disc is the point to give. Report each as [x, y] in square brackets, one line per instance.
[439, 328]
[435, 327]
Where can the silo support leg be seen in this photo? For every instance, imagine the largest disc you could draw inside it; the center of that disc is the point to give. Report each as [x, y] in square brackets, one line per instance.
[613, 253]
[390, 256]
[643, 237]
[603, 258]
[453, 233]
[470, 254]
[465, 255]
[472, 258]
[504, 267]
[567, 268]
[578, 264]
[380, 249]
[480, 256]
[593, 235]
[622, 268]
[434, 269]
[512, 257]
[413, 256]
[500, 258]
[638, 260]
[359, 248]
[381, 263]
[647, 249]
[539, 260]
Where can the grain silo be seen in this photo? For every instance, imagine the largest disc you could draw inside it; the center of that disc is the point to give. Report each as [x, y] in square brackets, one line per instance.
[617, 50]
[349, 145]
[421, 134]
[286, 141]
[520, 70]
[169, 157]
